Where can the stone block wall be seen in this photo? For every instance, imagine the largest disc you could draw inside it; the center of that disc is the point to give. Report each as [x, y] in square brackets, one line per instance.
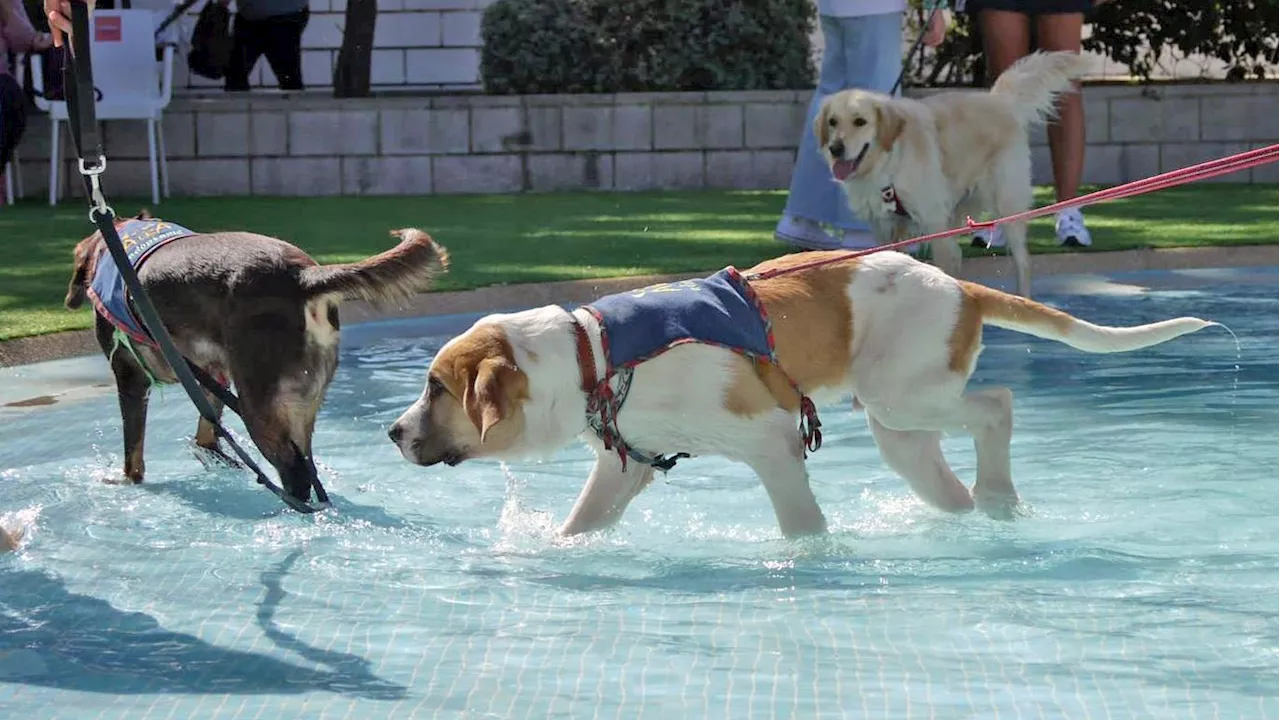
[476, 144]
[417, 44]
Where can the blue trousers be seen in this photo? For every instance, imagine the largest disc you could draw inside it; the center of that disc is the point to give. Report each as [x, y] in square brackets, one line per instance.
[859, 52]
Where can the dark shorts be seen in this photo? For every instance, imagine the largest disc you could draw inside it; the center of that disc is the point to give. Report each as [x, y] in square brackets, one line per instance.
[1031, 7]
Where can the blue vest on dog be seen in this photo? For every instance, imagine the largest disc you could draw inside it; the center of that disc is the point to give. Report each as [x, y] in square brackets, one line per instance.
[108, 293]
[720, 310]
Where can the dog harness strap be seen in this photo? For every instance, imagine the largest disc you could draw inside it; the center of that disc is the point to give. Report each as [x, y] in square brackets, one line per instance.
[603, 404]
[892, 203]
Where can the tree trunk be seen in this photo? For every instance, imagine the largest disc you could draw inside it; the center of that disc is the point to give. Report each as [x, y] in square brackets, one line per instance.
[351, 74]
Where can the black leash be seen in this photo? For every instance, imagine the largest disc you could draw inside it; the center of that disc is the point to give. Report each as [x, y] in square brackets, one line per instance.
[82, 116]
[915, 47]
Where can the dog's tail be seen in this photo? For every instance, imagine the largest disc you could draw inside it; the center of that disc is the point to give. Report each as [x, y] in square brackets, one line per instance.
[392, 276]
[1034, 83]
[1013, 312]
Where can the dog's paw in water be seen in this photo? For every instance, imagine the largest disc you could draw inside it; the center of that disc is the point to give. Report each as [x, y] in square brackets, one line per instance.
[214, 456]
[1000, 507]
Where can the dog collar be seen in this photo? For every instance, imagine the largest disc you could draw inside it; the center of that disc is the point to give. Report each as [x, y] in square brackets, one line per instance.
[892, 203]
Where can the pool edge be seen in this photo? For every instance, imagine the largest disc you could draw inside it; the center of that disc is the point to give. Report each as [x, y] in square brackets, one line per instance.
[76, 343]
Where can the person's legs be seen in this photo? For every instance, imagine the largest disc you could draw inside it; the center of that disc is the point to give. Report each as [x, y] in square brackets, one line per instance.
[1006, 37]
[1061, 32]
[248, 38]
[873, 60]
[814, 193]
[859, 52]
[284, 48]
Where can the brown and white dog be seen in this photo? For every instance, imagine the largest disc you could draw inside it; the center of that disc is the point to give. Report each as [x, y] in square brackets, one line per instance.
[916, 167]
[256, 311]
[901, 336]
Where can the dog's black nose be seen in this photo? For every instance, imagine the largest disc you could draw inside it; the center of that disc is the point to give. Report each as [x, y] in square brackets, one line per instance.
[837, 149]
[395, 433]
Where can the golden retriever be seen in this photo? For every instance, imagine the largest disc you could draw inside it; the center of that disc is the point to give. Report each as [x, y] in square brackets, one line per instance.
[917, 167]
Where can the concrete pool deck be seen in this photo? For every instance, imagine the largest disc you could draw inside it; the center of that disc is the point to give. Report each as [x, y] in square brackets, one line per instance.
[64, 367]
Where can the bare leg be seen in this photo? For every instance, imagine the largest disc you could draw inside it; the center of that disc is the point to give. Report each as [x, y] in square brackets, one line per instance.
[1006, 37]
[1061, 32]
[608, 491]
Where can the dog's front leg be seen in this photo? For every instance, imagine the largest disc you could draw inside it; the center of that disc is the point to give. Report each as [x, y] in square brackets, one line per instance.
[607, 493]
[207, 436]
[133, 388]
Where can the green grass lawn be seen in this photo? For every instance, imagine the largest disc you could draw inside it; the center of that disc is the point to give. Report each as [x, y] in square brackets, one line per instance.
[510, 239]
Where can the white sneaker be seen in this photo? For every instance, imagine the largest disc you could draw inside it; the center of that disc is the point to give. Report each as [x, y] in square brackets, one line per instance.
[804, 232]
[1071, 229]
[988, 238]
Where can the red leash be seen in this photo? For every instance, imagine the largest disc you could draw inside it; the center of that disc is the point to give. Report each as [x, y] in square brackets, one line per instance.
[1182, 176]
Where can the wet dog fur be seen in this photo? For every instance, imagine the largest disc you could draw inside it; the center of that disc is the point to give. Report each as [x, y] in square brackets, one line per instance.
[261, 313]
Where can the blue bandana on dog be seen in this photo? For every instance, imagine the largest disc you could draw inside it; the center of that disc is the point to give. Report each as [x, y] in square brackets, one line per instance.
[108, 293]
[721, 310]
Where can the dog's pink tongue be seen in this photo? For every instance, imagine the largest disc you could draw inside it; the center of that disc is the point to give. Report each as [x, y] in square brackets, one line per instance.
[843, 169]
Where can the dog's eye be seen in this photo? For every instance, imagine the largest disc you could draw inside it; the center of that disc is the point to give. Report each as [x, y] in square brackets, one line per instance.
[434, 387]
[832, 122]
[859, 122]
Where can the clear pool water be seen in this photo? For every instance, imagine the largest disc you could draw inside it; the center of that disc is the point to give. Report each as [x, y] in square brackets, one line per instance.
[1143, 583]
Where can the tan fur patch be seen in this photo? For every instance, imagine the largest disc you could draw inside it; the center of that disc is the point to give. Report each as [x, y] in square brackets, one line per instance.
[134, 466]
[485, 386]
[812, 327]
[966, 335]
[1016, 309]
[318, 328]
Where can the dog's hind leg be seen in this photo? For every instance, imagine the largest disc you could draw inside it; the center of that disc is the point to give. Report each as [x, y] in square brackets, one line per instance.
[916, 455]
[608, 491]
[987, 415]
[133, 388]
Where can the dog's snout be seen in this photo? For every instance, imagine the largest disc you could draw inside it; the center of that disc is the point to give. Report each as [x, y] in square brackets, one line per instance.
[837, 148]
[396, 432]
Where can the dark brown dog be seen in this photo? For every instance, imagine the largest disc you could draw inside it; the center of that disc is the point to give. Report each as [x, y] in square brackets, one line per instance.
[256, 311]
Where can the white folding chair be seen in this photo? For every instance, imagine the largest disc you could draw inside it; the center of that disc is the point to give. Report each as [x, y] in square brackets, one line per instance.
[133, 86]
[13, 180]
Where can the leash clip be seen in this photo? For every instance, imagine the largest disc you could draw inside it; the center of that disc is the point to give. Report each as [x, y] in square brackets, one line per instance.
[93, 171]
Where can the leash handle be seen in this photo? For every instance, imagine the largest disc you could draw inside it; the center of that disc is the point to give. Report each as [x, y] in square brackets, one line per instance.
[78, 77]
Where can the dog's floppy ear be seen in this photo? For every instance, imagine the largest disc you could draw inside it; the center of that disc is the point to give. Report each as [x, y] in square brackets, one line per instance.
[79, 275]
[889, 124]
[821, 130]
[491, 393]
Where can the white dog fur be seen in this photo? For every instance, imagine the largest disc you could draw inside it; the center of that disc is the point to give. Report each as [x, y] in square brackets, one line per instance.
[900, 335]
[947, 156]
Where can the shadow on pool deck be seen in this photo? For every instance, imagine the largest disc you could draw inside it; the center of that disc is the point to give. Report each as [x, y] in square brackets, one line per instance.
[76, 642]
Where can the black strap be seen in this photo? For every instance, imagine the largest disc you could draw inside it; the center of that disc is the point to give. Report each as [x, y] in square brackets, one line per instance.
[915, 47]
[78, 79]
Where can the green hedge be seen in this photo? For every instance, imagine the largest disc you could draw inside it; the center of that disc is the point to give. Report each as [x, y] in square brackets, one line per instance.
[604, 46]
[1242, 34]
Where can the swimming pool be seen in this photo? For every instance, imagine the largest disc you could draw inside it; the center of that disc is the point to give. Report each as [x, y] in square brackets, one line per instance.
[1142, 584]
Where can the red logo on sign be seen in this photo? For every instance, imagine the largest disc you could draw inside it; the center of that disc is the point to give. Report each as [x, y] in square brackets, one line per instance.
[106, 29]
